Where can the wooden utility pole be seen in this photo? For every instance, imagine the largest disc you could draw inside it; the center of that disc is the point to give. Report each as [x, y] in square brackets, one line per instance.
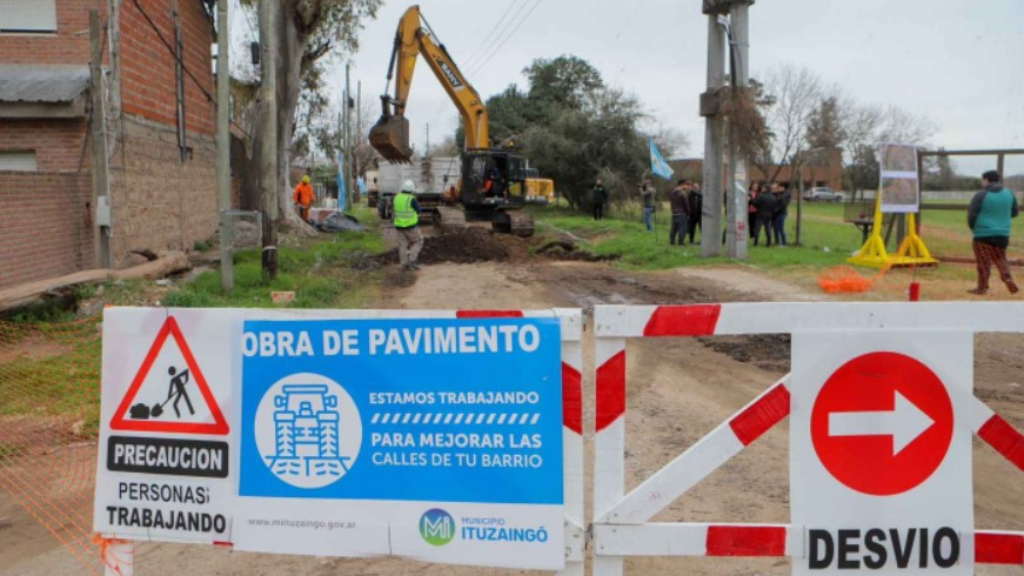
[227, 249]
[347, 172]
[358, 136]
[268, 135]
[100, 161]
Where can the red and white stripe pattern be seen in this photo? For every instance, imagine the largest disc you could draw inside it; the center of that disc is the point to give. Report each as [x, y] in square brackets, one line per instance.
[619, 529]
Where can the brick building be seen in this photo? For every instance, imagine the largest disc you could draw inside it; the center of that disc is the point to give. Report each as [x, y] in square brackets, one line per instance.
[160, 131]
[828, 173]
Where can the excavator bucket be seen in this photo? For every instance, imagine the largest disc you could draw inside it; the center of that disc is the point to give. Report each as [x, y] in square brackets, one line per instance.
[390, 137]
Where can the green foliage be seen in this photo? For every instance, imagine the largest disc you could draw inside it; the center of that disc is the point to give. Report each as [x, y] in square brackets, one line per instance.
[574, 129]
[564, 82]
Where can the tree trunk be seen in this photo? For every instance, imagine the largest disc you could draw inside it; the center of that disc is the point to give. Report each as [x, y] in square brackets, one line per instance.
[291, 46]
[799, 205]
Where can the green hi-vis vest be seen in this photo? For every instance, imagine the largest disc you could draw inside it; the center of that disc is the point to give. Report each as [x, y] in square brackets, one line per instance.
[405, 216]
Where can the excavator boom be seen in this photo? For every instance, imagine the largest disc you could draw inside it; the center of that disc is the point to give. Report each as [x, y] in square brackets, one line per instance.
[390, 135]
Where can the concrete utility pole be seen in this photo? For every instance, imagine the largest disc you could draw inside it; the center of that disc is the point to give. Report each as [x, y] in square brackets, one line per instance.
[268, 135]
[737, 219]
[227, 249]
[726, 19]
[714, 139]
[100, 162]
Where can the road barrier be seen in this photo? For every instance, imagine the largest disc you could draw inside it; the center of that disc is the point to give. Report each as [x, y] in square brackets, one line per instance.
[889, 391]
[889, 384]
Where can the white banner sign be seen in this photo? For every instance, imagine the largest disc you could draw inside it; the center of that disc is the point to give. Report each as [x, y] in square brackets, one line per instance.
[435, 438]
[880, 441]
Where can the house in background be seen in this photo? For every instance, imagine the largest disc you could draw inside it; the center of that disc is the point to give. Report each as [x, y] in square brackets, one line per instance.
[158, 87]
[828, 173]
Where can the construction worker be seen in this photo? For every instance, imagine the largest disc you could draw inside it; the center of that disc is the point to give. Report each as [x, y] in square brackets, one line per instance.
[303, 198]
[407, 219]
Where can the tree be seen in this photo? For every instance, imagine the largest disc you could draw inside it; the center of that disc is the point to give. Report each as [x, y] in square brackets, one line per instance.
[564, 82]
[947, 176]
[825, 134]
[307, 31]
[509, 113]
[797, 93]
[760, 150]
[860, 128]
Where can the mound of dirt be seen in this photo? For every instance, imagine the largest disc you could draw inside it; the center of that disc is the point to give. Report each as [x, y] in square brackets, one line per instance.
[567, 250]
[461, 247]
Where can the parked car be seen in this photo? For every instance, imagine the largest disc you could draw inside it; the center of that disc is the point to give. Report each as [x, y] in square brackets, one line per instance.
[824, 194]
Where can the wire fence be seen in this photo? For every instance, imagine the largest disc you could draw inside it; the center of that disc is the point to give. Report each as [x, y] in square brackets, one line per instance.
[49, 416]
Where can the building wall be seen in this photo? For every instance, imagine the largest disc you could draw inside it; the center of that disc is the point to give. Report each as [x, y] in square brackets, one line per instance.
[69, 45]
[58, 144]
[158, 201]
[44, 224]
[148, 80]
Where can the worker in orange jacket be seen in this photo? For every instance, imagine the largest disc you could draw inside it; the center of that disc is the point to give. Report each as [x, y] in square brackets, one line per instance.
[303, 198]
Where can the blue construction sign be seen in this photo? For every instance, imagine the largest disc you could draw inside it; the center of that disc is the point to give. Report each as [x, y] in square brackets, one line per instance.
[432, 410]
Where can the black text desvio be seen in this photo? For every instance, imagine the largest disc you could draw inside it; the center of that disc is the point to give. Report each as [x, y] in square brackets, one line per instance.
[877, 548]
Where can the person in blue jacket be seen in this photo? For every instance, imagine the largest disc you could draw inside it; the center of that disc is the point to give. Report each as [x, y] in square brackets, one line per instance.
[990, 216]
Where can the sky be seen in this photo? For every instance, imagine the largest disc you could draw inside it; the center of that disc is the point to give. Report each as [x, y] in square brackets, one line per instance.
[958, 62]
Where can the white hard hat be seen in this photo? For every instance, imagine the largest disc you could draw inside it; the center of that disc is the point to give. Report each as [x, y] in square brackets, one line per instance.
[409, 186]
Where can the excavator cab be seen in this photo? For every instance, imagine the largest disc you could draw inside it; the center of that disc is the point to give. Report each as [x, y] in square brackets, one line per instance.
[493, 178]
[493, 186]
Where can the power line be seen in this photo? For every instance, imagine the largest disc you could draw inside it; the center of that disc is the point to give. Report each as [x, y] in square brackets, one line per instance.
[507, 37]
[490, 36]
[174, 54]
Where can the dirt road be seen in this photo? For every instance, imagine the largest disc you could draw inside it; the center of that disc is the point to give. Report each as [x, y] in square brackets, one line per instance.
[679, 390]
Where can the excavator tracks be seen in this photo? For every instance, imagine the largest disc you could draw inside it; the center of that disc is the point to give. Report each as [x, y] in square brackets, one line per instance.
[449, 219]
[513, 222]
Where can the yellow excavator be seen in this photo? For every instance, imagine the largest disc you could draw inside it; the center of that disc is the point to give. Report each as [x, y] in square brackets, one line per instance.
[493, 182]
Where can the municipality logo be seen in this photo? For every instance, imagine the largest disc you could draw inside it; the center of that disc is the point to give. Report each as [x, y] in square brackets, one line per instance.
[308, 430]
[437, 527]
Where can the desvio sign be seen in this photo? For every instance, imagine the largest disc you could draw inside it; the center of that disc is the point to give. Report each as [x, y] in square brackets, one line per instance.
[452, 429]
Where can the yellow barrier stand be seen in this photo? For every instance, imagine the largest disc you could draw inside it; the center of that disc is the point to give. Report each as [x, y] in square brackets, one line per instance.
[912, 252]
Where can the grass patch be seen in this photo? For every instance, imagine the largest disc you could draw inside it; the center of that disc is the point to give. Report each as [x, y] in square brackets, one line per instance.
[624, 234]
[321, 271]
[54, 370]
[825, 239]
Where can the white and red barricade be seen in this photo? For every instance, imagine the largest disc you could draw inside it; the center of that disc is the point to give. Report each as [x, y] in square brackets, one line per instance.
[622, 524]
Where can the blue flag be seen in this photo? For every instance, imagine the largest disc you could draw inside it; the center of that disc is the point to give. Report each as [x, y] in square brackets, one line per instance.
[659, 167]
[341, 181]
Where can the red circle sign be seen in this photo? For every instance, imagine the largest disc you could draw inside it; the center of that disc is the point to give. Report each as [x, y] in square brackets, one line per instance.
[882, 423]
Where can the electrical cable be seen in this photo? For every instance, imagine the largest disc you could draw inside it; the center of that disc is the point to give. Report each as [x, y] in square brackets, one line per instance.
[170, 49]
[477, 52]
[508, 37]
[490, 36]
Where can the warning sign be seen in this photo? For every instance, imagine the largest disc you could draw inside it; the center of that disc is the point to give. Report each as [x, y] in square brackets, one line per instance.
[165, 468]
[169, 392]
[879, 444]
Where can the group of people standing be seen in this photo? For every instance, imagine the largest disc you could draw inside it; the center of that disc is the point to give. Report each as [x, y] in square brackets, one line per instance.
[687, 204]
[767, 209]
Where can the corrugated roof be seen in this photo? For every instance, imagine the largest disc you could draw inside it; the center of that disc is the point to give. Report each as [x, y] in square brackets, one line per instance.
[42, 83]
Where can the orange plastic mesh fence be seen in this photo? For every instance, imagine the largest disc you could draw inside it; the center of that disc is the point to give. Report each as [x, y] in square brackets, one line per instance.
[49, 415]
[846, 280]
